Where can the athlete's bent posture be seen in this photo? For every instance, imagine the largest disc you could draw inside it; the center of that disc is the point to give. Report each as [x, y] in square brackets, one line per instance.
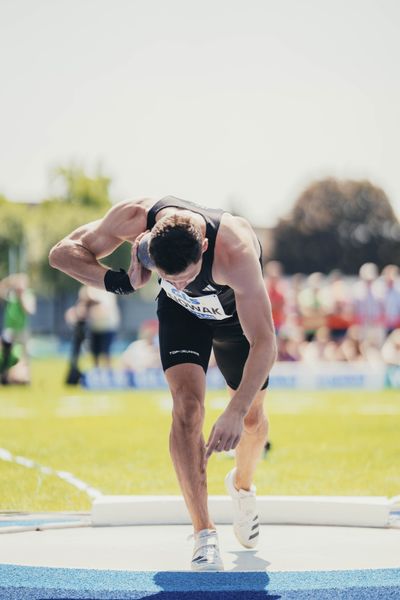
[213, 296]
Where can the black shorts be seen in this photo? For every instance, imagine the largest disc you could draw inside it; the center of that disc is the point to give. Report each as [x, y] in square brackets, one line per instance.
[100, 342]
[184, 338]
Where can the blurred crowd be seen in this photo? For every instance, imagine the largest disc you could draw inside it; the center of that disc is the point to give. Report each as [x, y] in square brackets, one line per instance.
[336, 318]
[317, 318]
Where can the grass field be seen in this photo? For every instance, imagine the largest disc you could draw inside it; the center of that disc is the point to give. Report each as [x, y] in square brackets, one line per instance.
[334, 443]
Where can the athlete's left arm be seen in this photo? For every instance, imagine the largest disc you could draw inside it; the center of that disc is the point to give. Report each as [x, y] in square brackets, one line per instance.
[255, 316]
[243, 274]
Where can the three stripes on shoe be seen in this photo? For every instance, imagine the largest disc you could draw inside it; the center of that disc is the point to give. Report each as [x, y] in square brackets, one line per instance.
[255, 528]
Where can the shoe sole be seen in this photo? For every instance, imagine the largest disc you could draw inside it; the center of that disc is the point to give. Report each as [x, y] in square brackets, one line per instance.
[245, 545]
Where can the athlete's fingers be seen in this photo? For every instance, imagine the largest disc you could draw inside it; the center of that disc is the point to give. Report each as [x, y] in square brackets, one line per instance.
[141, 235]
[134, 258]
[212, 442]
[220, 445]
[228, 444]
[210, 436]
[209, 448]
[136, 243]
[136, 265]
[213, 447]
[235, 442]
[226, 441]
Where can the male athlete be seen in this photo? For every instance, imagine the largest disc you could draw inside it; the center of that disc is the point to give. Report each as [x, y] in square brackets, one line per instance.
[213, 297]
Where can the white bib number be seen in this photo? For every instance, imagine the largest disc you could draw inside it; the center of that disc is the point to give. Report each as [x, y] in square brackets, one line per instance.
[204, 307]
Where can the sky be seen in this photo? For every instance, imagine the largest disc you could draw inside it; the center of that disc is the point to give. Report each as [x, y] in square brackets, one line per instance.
[230, 103]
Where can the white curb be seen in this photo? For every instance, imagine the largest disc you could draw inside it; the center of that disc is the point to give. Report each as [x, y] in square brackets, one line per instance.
[372, 511]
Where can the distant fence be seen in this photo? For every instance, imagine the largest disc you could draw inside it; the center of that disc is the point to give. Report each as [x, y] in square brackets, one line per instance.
[285, 376]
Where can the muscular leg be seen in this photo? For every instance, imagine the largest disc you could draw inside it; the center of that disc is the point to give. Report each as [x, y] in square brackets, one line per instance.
[187, 384]
[252, 442]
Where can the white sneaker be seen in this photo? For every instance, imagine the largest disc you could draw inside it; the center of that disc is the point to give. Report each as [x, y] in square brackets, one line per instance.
[245, 518]
[206, 555]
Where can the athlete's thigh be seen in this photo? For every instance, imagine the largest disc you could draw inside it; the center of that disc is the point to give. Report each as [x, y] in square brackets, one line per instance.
[184, 338]
[231, 349]
[187, 383]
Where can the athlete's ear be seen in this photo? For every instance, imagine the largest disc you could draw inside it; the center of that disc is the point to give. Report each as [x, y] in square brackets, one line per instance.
[204, 245]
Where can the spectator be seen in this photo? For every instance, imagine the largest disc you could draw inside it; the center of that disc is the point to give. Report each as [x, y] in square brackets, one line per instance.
[76, 317]
[20, 304]
[355, 347]
[96, 311]
[368, 306]
[391, 298]
[321, 348]
[292, 303]
[103, 320]
[311, 305]
[143, 353]
[339, 315]
[350, 346]
[276, 291]
[290, 343]
[391, 348]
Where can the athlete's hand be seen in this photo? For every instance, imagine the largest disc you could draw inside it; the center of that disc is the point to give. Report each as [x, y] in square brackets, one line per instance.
[226, 432]
[137, 273]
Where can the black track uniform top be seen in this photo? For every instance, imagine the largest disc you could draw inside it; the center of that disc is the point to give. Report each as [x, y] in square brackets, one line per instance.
[203, 287]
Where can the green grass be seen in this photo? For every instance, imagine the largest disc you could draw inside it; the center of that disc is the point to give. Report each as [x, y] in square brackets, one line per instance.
[339, 443]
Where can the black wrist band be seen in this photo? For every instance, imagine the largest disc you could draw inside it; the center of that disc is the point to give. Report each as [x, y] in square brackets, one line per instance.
[118, 282]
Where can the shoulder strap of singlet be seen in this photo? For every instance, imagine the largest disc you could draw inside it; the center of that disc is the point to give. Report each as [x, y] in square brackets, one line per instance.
[212, 217]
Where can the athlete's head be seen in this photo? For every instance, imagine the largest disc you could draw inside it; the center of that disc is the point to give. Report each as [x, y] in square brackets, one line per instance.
[177, 245]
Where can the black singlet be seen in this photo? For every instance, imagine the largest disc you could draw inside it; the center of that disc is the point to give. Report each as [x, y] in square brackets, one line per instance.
[187, 339]
[203, 285]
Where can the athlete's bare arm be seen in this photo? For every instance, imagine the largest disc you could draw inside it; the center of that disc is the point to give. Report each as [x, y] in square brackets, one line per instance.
[78, 254]
[238, 266]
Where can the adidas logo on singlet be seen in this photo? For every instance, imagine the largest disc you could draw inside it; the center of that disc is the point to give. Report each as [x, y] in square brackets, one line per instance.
[209, 288]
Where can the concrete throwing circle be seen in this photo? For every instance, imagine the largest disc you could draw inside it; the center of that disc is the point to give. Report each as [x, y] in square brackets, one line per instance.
[118, 563]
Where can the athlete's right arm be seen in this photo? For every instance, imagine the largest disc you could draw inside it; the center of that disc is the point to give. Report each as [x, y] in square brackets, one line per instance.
[78, 253]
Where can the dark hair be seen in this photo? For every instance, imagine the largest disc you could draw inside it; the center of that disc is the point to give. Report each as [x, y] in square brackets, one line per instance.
[176, 242]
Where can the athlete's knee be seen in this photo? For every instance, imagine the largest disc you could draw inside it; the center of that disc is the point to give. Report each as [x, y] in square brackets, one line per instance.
[188, 411]
[256, 421]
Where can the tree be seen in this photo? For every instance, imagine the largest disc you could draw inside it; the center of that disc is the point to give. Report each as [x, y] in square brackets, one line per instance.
[80, 198]
[28, 232]
[78, 188]
[51, 221]
[338, 225]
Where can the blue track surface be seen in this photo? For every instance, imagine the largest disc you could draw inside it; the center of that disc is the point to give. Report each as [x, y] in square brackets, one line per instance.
[35, 583]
